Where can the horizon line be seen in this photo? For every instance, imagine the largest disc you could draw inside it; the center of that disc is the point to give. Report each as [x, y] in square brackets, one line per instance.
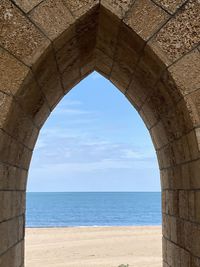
[93, 191]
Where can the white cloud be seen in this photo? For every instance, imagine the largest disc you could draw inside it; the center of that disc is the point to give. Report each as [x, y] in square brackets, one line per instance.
[70, 111]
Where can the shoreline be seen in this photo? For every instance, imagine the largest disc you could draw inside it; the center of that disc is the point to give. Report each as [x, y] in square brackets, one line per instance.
[94, 246]
[90, 226]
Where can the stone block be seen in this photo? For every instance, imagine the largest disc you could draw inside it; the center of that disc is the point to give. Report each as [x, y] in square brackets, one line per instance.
[11, 232]
[16, 123]
[12, 204]
[166, 157]
[165, 176]
[52, 19]
[88, 66]
[64, 38]
[172, 202]
[186, 72]
[80, 7]
[103, 63]
[119, 8]
[128, 49]
[194, 231]
[195, 174]
[107, 36]
[12, 178]
[173, 229]
[181, 150]
[197, 206]
[143, 11]
[49, 78]
[177, 37]
[32, 100]
[170, 5]
[159, 136]
[141, 86]
[67, 55]
[5, 106]
[192, 101]
[12, 72]
[86, 30]
[27, 5]
[151, 65]
[71, 76]
[120, 76]
[193, 142]
[151, 116]
[191, 200]
[184, 204]
[195, 261]
[185, 258]
[13, 153]
[165, 226]
[27, 44]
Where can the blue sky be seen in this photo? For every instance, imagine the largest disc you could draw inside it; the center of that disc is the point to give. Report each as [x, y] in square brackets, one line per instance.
[94, 140]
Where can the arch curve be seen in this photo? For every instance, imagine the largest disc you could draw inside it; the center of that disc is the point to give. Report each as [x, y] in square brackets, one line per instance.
[150, 51]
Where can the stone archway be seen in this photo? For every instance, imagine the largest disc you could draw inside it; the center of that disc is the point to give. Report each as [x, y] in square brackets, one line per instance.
[150, 50]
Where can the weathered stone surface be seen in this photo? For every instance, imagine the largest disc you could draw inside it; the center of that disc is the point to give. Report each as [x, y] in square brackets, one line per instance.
[12, 178]
[107, 36]
[68, 54]
[19, 126]
[121, 82]
[184, 204]
[144, 11]
[5, 105]
[13, 153]
[32, 101]
[12, 204]
[128, 50]
[186, 72]
[52, 19]
[103, 63]
[178, 37]
[65, 37]
[27, 5]
[87, 67]
[12, 72]
[11, 232]
[197, 143]
[197, 206]
[140, 86]
[71, 76]
[14, 256]
[86, 30]
[79, 7]
[194, 174]
[192, 235]
[193, 105]
[119, 8]
[159, 135]
[26, 44]
[170, 5]
[195, 261]
[49, 79]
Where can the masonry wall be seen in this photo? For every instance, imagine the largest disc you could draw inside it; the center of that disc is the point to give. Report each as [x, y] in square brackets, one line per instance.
[150, 50]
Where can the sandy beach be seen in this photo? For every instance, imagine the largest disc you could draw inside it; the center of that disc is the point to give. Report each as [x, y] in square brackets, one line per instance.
[93, 247]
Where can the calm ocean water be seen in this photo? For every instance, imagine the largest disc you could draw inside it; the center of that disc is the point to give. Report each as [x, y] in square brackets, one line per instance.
[93, 209]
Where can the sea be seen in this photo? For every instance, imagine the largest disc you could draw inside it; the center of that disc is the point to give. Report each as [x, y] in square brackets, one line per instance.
[93, 209]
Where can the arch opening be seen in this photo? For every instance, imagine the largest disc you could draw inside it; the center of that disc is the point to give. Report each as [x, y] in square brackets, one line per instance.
[96, 153]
